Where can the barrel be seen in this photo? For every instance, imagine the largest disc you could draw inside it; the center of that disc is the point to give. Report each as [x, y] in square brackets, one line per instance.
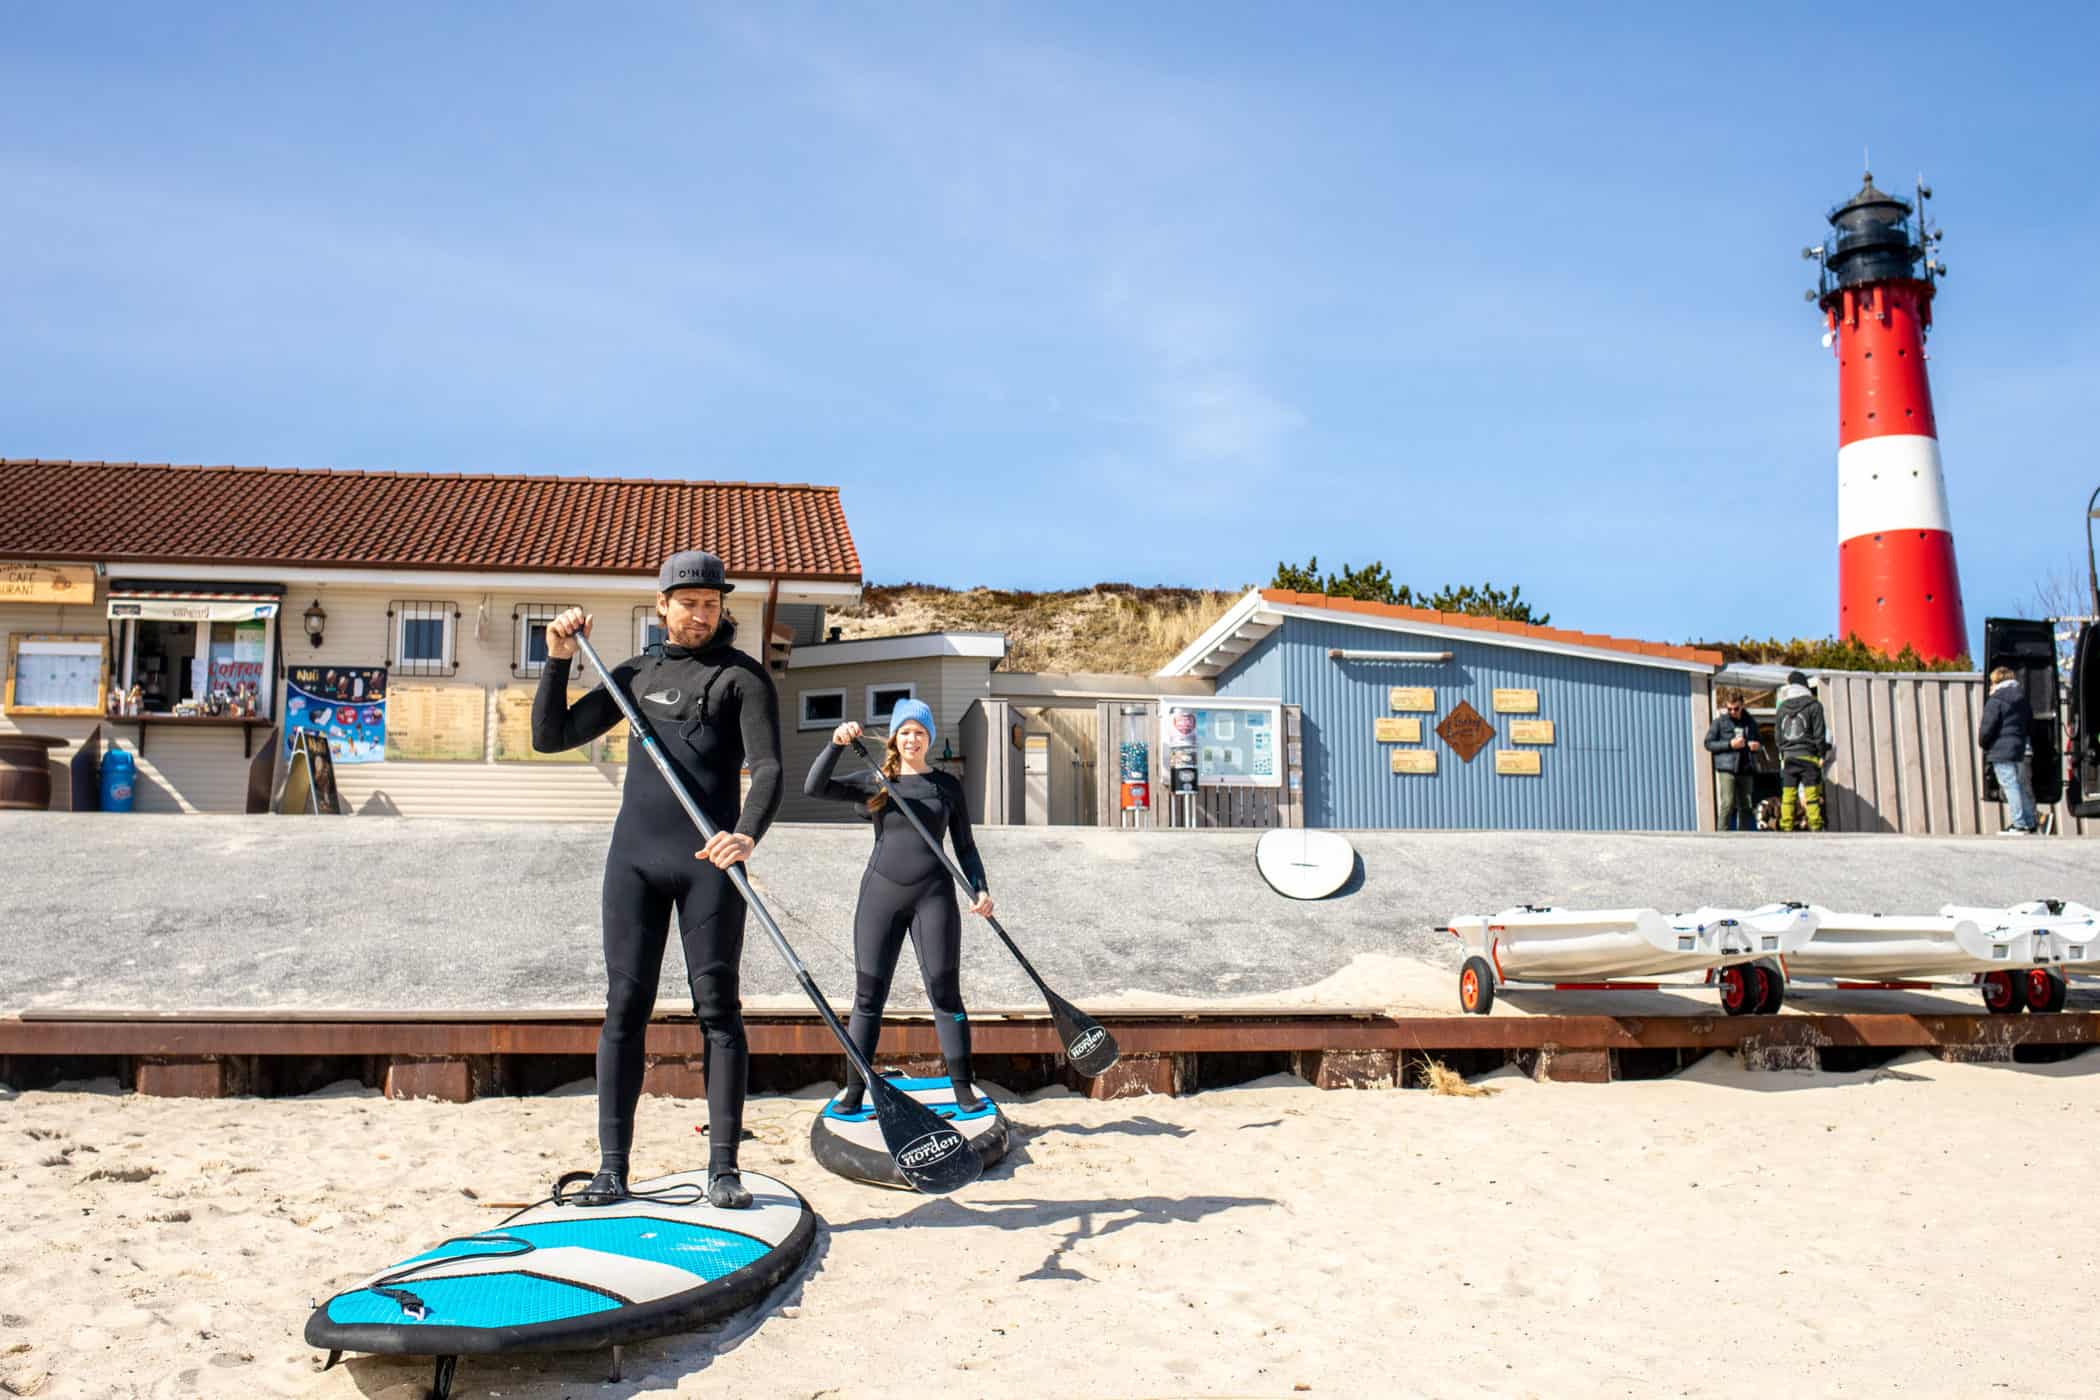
[25, 771]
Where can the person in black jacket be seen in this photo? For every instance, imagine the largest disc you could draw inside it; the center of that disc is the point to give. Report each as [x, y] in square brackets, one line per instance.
[1735, 741]
[1804, 745]
[713, 711]
[907, 888]
[2003, 731]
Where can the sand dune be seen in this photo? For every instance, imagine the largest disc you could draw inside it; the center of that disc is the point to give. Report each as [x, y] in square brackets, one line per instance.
[1718, 1233]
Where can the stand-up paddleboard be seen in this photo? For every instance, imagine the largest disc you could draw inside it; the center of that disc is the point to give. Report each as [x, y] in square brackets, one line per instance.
[1301, 864]
[850, 1144]
[565, 1277]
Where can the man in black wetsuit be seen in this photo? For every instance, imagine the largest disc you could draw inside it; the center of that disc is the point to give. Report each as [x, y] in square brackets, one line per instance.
[713, 710]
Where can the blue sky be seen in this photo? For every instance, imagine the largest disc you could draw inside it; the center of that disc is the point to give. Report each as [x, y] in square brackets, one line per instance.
[1066, 293]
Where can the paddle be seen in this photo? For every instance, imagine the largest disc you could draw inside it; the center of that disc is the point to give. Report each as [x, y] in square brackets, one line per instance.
[1089, 1048]
[930, 1154]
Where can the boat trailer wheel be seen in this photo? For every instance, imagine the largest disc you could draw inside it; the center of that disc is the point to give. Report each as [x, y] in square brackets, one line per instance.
[1742, 988]
[1476, 987]
[2043, 990]
[2002, 995]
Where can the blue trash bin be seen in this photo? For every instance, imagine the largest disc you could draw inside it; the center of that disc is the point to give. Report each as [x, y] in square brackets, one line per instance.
[119, 780]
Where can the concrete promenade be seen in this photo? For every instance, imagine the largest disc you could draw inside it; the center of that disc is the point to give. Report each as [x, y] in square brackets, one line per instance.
[312, 914]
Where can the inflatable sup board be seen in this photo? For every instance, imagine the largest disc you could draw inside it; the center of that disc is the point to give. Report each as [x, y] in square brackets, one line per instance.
[573, 1278]
[851, 1145]
[1301, 864]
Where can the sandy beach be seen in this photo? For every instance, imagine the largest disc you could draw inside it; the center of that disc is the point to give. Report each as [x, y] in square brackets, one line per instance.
[1716, 1233]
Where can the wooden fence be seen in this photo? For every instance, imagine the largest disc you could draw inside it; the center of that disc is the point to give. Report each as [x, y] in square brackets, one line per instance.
[1907, 759]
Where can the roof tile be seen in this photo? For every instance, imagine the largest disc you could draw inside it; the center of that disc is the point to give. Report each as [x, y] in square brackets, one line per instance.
[157, 513]
[1594, 640]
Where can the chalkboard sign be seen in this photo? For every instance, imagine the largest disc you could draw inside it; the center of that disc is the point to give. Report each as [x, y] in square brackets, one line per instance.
[52, 675]
[309, 777]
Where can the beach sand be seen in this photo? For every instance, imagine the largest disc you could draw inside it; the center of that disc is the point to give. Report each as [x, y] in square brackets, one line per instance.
[1716, 1233]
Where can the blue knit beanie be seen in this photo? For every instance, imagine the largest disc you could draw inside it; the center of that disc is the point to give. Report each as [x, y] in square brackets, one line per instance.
[909, 710]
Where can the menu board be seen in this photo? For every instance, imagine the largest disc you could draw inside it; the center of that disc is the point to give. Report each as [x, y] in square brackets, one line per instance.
[514, 728]
[57, 675]
[437, 723]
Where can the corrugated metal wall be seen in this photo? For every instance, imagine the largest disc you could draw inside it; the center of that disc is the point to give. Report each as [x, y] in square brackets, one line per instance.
[1622, 760]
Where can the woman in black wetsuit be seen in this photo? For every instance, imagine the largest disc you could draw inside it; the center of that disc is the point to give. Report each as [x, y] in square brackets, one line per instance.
[713, 710]
[905, 887]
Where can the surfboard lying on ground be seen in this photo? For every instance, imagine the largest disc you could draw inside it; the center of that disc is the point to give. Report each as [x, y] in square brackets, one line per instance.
[851, 1145]
[571, 1278]
[1303, 864]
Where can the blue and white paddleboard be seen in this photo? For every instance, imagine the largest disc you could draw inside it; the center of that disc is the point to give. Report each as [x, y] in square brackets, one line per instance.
[569, 1277]
[851, 1144]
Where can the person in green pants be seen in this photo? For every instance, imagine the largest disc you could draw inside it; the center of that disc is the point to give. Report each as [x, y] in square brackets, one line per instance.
[1804, 745]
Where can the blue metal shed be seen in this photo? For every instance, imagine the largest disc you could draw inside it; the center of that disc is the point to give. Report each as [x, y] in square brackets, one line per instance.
[1627, 720]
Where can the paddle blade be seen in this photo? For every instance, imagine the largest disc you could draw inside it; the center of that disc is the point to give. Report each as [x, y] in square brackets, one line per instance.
[929, 1152]
[1089, 1048]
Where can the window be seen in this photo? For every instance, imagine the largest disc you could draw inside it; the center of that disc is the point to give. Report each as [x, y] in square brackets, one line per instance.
[529, 624]
[424, 637]
[648, 628]
[883, 698]
[823, 709]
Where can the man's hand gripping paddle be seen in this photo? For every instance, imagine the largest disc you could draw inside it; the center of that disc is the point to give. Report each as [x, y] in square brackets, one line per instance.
[930, 1153]
[1088, 1046]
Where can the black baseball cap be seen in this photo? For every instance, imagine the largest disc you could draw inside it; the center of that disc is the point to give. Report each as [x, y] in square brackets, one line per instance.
[693, 568]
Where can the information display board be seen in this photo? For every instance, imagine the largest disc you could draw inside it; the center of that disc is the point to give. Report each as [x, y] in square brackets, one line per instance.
[1235, 745]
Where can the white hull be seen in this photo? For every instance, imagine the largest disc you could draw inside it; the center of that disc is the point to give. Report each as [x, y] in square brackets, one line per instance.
[1600, 945]
[1910, 947]
[2068, 935]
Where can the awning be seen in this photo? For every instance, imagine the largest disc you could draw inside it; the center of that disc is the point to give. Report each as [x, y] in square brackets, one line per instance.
[191, 604]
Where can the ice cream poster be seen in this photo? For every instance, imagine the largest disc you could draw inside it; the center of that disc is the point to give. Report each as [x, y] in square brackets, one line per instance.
[344, 704]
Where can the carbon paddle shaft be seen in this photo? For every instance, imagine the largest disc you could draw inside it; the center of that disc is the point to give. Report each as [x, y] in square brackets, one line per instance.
[737, 874]
[1088, 1045]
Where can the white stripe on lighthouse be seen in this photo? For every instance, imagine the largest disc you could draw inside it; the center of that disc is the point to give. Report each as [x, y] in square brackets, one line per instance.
[1891, 483]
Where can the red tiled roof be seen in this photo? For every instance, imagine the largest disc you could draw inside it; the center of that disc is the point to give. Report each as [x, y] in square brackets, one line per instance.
[153, 513]
[1491, 624]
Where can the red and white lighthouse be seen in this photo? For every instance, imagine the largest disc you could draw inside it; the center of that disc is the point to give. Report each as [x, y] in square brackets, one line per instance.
[1897, 584]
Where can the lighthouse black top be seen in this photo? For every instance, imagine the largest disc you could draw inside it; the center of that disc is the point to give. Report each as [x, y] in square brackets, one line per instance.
[1872, 239]
[899, 855]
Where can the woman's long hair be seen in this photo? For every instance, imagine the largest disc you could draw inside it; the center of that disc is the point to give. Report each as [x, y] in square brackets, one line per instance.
[892, 765]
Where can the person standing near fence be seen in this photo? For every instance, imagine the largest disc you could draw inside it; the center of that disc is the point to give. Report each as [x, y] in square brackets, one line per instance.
[1804, 746]
[1735, 741]
[2003, 731]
